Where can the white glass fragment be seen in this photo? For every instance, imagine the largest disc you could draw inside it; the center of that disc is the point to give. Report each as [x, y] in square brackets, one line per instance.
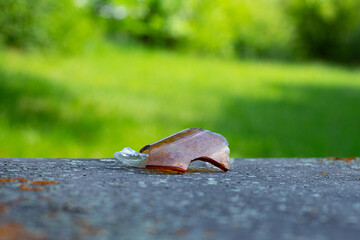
[130, 157]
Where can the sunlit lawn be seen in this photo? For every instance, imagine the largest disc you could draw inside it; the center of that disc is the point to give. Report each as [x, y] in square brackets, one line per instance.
[94, 104]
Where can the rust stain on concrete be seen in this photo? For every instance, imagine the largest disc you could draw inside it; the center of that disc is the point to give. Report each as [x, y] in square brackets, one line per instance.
[4, 208]
[16, 231]
[345, 159]
[3, 180]
[44, 182]
[87, 230]
[24, 187]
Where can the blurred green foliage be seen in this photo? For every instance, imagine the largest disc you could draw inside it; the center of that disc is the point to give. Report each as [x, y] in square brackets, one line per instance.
[327, 29]
[281, 29]
[56, 25]
[244, 28]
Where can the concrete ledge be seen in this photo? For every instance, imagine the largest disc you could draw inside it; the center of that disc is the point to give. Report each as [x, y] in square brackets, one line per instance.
[257, 199]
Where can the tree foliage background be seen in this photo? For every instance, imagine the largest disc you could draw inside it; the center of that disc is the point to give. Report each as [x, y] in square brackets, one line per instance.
[280, 29]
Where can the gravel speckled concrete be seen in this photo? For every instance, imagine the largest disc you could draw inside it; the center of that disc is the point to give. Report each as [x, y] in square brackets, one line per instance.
[257, 199]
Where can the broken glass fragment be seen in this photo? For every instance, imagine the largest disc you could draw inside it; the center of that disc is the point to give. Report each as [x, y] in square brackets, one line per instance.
[130, 157]
[177, 151]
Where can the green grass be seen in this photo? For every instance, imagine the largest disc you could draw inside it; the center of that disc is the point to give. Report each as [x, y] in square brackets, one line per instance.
[94, 104]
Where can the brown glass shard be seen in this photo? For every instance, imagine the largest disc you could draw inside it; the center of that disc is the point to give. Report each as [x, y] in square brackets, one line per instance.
[177, 151]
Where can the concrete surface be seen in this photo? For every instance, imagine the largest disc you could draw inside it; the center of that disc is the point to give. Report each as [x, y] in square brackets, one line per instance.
[257, 199]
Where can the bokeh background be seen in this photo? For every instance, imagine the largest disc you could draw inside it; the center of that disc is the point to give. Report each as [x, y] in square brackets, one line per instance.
[85, 78]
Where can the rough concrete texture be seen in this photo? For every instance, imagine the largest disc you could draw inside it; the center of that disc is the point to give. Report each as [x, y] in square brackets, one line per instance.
[257, 199]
